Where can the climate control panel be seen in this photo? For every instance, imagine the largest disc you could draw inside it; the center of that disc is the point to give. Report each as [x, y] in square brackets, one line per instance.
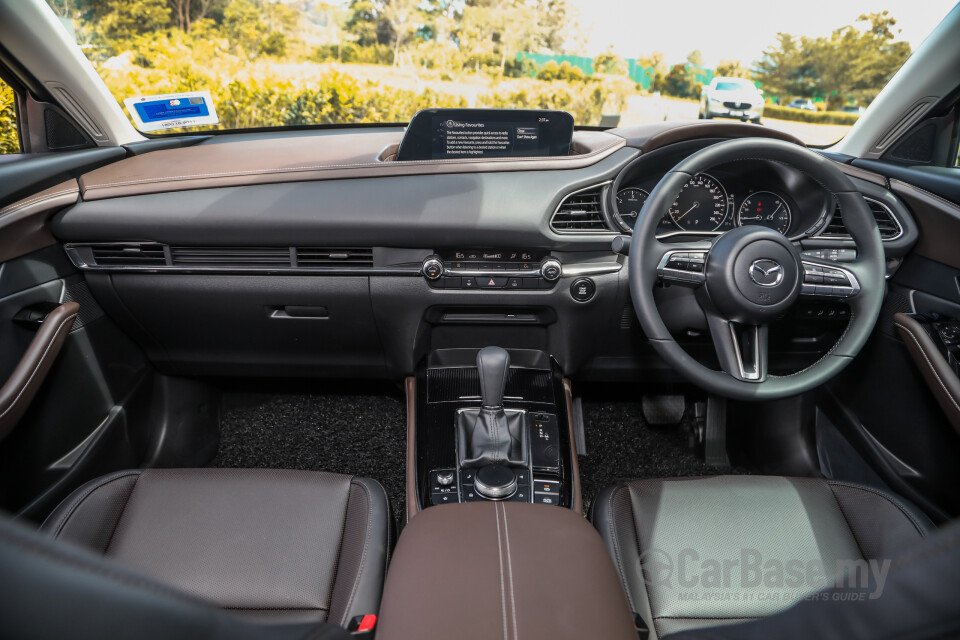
[512, 269]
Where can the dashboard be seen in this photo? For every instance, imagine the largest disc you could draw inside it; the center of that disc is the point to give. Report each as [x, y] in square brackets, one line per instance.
[750, 192]
[318, 253]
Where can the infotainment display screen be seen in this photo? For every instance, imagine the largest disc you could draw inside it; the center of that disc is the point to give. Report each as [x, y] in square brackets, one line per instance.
[447, 134]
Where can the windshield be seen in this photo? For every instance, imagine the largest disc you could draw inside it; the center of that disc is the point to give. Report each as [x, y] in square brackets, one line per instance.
[202, 65]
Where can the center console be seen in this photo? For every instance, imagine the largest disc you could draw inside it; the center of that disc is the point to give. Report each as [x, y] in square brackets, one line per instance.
[491, 425]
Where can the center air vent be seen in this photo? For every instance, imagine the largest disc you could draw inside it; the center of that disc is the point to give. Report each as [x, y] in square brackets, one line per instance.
[581, 212]
[886, 222]
[123, 254]
[340, 257]
[230, 256]
[157, 257]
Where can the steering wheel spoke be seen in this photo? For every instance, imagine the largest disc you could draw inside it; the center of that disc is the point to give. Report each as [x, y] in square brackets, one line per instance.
[741, 348]
[829, 280]
[683, 263]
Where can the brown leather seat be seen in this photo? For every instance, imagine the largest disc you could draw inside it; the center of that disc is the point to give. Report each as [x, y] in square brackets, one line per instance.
[269, 545]
[701, 552]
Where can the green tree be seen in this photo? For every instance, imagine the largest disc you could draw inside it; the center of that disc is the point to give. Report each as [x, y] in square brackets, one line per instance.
[680, 82]
[126, 19]
[9, 142]
[243, 24]
[611, 63]
[849, 64]
[695, 58]
[403, 16]
[731, 69]
[365, 25]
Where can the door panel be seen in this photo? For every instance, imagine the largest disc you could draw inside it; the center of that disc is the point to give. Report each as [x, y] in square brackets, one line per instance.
[885, 390]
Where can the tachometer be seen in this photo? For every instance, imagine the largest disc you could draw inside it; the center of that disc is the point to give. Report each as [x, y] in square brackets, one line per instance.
[629, 203]
[701, 205]
[767, 209]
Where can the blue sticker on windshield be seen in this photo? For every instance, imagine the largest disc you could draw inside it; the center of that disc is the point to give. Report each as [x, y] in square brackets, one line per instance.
[172, 110]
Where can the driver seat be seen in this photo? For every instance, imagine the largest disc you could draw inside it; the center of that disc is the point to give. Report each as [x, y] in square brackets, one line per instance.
[705, 552]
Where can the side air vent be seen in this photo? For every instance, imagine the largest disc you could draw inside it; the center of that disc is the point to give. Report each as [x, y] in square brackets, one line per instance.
[887, 223]
[230, 256]
[581, 212]
[128, 255]
[339, 257]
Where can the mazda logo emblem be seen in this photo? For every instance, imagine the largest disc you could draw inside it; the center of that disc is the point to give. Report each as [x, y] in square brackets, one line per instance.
[766, 273]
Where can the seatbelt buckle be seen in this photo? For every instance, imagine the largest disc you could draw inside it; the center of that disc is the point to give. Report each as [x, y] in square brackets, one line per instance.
[363, 626]
[643, 631]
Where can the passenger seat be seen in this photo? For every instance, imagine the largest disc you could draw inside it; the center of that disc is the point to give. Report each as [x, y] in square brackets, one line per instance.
[272, 546]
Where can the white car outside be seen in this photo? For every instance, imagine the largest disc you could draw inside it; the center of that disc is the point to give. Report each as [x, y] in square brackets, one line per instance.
[731, 98]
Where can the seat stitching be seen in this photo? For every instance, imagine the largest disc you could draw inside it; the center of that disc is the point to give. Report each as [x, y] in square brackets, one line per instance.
[363, 556]
[503, 598]
[616, 547]
[846, 521]
[932, 368]
[513, 602]
[79, 500]
[886, 497]
[920, 554]
[43, 357]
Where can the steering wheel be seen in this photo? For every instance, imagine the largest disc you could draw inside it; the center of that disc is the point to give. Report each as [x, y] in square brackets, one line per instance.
[749, 276]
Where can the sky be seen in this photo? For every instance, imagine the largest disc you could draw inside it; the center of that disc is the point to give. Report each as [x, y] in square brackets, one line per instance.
[721, 31]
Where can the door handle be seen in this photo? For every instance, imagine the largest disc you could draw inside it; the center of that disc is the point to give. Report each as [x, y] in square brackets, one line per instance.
[19, 390]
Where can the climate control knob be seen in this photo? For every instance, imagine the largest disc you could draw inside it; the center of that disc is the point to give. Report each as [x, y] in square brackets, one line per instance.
[432, 268]
[550, 269]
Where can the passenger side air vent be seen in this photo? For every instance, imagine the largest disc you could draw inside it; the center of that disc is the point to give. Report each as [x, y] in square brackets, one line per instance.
[339, 257]
[887, 223]
[128, 255]
[581, 212]
[230, 256]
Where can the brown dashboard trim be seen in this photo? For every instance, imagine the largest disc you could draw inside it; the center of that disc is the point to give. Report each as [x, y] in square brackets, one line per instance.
[307, 157]
[25, 224]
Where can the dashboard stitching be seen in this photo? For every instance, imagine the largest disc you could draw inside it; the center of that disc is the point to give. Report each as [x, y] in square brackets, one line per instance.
[364, 165]
[23, 204]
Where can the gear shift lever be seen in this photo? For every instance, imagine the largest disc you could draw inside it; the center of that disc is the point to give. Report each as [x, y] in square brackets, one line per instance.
[491, 434]
[493, 364]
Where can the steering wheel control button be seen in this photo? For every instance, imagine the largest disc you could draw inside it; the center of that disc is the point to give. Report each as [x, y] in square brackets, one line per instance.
[829, 282]
[583, 289]
[683, 266]
[550, 269]
[432, 268]
[496, 482]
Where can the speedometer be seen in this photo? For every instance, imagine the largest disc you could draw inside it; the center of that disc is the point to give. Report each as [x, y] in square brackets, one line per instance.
[701, 205]
[767, 209]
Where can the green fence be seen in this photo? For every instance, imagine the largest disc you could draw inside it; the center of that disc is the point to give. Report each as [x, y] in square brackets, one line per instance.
[643, 76]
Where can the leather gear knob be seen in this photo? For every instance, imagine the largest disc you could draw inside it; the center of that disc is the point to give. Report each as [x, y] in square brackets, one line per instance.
[493, 364]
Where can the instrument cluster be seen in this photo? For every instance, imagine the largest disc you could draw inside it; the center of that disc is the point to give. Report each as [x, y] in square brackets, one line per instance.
[767, 195]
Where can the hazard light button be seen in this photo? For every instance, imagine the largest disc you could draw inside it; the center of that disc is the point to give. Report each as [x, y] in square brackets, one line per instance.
[491, 282]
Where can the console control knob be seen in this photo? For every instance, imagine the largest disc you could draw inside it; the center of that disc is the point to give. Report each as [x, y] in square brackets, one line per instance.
[495, 482]
[550, 269]
[445, 478]
[432, 268]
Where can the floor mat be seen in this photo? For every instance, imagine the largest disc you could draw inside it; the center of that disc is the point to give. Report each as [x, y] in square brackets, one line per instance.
[361, 435]
[622, 446]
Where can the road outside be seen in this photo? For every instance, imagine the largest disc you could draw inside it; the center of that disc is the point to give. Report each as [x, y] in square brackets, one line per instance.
[643, 109]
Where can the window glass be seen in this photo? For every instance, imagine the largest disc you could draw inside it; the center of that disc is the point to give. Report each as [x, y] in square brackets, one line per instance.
[9, 141]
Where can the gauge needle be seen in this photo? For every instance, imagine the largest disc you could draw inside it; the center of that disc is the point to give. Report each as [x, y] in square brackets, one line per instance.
[770, 217]
[695, 205]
